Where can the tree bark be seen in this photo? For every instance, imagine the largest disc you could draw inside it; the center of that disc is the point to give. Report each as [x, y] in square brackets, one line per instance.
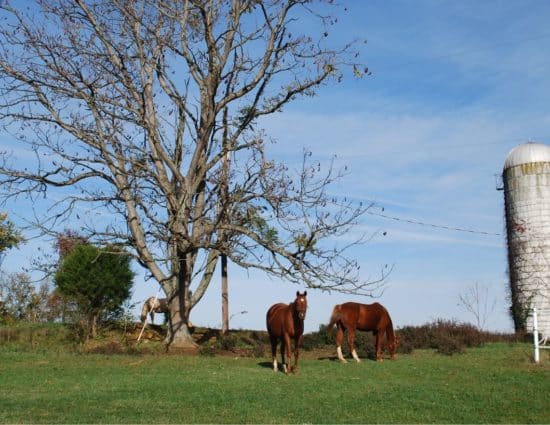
[92, 324]
[179, 304]
[179, 335]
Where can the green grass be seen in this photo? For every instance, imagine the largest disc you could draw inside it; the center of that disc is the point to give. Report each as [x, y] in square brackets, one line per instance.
[494, 384]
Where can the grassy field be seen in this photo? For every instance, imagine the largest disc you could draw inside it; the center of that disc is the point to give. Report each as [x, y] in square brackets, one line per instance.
[497, 383]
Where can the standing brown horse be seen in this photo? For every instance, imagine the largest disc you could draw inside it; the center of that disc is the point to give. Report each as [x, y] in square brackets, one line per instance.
[364, 317]
[286, 321]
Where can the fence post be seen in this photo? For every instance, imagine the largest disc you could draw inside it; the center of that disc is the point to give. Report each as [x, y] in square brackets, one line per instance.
[536, 336]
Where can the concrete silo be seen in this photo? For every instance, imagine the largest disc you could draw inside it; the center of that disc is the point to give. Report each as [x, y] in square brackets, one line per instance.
[526, 178]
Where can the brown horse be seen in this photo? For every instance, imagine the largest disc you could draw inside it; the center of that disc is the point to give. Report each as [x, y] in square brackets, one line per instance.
[154, 305]
[286, 321]
[363, 317]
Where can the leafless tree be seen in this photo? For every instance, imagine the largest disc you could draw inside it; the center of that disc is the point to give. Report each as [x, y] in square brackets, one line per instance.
[130, 108]
[475, 300]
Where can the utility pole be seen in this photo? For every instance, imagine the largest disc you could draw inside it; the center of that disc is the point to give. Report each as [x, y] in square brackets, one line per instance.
[225, 286]
[225, 296]
[224, 196]
[224, 200]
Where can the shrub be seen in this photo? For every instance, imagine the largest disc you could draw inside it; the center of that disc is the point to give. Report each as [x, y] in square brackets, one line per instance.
[445, 336]
[448, 345]
[97, 279]
[228, 342]
[258, 350]
[319, 339]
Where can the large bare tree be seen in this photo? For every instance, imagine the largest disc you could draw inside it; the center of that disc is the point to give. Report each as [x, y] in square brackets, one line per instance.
[150, 110]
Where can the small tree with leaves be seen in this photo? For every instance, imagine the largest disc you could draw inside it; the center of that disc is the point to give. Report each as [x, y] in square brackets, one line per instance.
[10, 237]
[99, 280]
[17, 296]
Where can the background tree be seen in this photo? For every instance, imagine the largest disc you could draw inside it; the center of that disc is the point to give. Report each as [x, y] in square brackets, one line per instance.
[67, 241]
[10, 237]
[99, 280]
[21, 300]
[133, 106]
[475, 300]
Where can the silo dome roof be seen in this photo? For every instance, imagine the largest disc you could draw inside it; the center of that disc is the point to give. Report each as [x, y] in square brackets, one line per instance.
[527, 153]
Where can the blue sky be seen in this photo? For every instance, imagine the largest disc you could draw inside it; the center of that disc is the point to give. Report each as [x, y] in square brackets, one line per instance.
[454, 87]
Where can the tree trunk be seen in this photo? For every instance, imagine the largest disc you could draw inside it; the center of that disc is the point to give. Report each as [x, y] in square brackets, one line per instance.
[179, 335]
[92, 324]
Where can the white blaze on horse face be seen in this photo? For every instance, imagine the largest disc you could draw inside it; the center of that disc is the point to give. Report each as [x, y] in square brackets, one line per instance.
[301, 302]
[355, 356]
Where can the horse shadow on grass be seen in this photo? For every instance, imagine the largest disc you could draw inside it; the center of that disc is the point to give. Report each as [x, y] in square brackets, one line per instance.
[328, 358]
[269, 365]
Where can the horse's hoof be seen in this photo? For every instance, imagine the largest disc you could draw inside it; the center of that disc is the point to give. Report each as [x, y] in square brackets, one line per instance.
[295, 370]
[343, 361]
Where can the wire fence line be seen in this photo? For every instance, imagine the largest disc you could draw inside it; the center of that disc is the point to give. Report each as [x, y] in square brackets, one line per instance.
[437, 226]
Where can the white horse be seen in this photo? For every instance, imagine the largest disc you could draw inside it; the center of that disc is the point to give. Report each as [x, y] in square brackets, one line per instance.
[154, 305]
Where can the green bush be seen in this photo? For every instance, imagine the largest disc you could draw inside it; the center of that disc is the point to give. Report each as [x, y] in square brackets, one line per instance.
[98, 280]
[320, 339]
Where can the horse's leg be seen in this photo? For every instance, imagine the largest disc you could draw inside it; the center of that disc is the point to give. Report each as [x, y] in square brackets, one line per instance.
[287, 353]
[152, 315]
[274, 341]
[392, 346]
[297, 343]
[351, 343]
[339, 340]
[379, 336]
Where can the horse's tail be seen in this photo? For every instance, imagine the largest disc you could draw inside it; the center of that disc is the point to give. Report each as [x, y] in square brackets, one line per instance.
[336, 315]
[391, 338]
[145, 310]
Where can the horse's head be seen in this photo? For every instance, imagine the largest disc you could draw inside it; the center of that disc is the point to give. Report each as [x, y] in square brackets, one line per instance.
[392, 346]
[300, 304]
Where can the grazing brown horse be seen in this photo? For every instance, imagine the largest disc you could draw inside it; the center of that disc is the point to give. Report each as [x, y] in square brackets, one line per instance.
[153, 305]
[286, 321]
[364, 317]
